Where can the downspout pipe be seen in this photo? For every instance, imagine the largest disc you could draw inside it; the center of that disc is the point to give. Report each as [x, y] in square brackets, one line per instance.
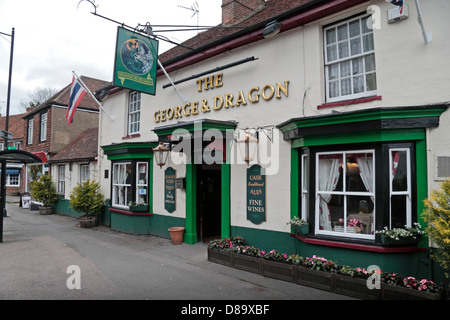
[426, 35]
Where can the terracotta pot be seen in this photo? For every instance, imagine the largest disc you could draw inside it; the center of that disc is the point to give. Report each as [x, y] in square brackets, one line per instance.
[177, 235]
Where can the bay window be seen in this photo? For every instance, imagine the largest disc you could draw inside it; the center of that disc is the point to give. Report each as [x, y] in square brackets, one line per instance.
[399, 188]
[345, 193]
[130, 183]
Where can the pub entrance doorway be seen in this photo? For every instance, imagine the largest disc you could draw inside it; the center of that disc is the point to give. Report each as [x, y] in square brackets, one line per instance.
[209, 204]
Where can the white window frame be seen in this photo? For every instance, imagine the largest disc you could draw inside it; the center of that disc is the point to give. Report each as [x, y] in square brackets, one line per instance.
[116, 183]
[30, 131]
[139, 183]
[304, 186]
[350, 58]
[62, 179]
[134, 113]
[84, 172]
[343, 193]
[43, 136]
[407, 192]
[9, 180]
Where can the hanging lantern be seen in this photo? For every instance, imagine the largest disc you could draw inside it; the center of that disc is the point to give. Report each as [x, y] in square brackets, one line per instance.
[161, 152]
[248, 145]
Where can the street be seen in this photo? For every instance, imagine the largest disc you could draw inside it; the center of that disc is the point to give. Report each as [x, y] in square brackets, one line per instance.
[49, 257]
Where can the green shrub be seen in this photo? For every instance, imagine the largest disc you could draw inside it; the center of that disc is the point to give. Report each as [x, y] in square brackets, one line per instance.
[44, 190]
[86, 198]
[437, 215]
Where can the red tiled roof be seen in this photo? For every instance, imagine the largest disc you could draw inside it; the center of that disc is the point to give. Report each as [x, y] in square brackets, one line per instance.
[82, 148]
[272, 10]
[16, 125]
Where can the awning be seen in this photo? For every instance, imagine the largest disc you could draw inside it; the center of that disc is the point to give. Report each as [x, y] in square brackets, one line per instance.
[18, 156]
[41, 155]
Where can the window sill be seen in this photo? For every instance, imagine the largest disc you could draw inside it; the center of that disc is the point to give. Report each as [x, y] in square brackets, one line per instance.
[130, 213]
[348, 102]
[131, 136]
[356, 246]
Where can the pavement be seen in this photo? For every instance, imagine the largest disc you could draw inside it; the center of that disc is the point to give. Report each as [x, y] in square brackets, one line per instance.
[49, 257]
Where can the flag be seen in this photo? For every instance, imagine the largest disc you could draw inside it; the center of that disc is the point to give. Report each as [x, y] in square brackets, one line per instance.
[77, 93]
[396, 3]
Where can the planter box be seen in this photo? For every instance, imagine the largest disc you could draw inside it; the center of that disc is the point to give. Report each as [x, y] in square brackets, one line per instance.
[304, 229]
[278, 270]
[248, 263]
[139, 208]
[88, 221]
[401, 293]
[389, 242]
[355, 287]
[221, 257]
[313, 278]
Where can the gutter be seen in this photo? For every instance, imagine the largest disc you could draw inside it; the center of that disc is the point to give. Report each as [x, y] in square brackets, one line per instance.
[291, 19]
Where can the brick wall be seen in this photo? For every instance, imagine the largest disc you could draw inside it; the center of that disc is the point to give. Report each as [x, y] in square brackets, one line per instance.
[235, 10]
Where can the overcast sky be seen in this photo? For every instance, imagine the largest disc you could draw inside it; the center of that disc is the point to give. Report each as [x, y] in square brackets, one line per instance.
[54, 37]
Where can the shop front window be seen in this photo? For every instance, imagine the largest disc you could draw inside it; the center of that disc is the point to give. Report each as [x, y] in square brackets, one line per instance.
[345, 193]
[130, 183]
[400, 188]
[121, 184]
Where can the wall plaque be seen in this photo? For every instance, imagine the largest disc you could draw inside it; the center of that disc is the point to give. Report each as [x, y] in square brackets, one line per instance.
[256, 194]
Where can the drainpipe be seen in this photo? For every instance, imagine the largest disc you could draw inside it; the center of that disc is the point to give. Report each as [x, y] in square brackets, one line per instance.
[427, 36]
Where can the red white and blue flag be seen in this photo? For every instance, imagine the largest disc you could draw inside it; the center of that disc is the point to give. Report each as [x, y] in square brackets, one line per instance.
[77, 93]
[397, 3]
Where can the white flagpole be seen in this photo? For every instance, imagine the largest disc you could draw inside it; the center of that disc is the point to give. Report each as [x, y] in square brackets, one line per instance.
[95, 99]
[183, 98]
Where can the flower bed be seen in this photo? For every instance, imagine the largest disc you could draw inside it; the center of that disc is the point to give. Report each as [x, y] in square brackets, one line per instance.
[321, 273]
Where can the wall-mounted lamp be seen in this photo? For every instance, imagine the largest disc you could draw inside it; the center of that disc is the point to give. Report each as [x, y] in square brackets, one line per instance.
[271, 29]
[161, 153]
[247, 145]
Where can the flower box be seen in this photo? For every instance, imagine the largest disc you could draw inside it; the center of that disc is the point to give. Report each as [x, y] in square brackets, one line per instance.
[278, 270]
[408, 241]
[355, 287]
[390, 292]
[138, 208]
[303, 229]
[248, 263]
[314, 278]
[220, 256]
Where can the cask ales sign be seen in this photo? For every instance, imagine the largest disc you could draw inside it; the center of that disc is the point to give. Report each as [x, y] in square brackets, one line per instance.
[170, 203]
[256, 194]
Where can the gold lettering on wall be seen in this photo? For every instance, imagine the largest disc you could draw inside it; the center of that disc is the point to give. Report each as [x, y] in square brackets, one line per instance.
[227, 101]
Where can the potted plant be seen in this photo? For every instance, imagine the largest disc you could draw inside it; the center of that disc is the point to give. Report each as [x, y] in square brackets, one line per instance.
[87, 199]
[138, 207]
[299, 226]
[44, 191]
[401, 236]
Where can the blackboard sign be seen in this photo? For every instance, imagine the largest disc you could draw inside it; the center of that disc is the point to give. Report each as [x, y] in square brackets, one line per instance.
[256, 194]
[170, 203]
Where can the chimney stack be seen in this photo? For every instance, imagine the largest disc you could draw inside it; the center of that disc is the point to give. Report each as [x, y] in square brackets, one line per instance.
[234, 11]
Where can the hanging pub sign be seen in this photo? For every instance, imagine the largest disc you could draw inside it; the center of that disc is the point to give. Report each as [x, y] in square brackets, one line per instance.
[135, 61]
[256, 194]
[170, 190]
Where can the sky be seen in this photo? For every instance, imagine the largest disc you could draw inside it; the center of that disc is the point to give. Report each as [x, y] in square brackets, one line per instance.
[55, 37]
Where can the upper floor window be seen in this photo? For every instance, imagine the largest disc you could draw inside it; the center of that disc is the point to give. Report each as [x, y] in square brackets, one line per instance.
[134, 113]
[43, 127]
[30, 131]
[349, 60]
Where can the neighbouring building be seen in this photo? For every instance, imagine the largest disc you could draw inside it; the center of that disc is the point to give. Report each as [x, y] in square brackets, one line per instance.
[349, 107]
[47, 129]
[15, 173]
[76, 163]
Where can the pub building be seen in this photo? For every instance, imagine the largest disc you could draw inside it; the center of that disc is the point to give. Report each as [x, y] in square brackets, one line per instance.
[332, 111]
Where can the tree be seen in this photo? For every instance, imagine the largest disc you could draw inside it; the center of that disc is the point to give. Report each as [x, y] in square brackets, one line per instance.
[40, 95]
[86, 198]
[437, 215]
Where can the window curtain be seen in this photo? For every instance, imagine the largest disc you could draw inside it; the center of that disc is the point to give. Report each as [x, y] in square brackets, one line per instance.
[329, 171]
[365, 165]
